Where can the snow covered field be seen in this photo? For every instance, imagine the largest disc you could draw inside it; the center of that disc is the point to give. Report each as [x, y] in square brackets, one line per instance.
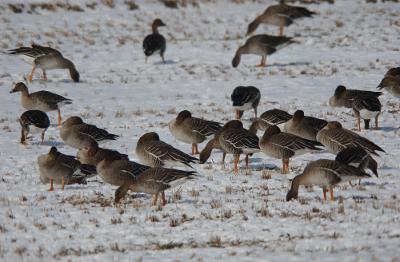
[219, 215]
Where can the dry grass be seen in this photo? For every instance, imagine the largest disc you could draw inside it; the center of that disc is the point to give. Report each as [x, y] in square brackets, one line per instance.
[153, 218]
[173, 222]
[228, 189]
[194, 193]
[215, 204]
[215, 241]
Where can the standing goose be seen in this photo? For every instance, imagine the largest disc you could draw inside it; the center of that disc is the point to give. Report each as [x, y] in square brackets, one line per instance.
[344, 97]
[31, 120]
[155, 43]
[56, 166]
[279, 15]
[236, 140]
[391, 82]
[277, 144]
[41, 100]
[154, 181]
[45, 58]
[76, 124]
[355, 156]
[327, 174]
[245, 98]
[93, 156]
[192, 130]
[305, 127]
[335, 138]
[366, 107]
[261, 45]
[155, 153]
[273, 117]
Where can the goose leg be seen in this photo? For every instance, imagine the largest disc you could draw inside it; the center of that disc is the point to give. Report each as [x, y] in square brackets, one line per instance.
[62, 183]
[324, 193]
[255, 112]
[196, 149]
[162, 57]
[155, 198]
[237, 114]
[44, 75]
[59, 117]
[223, 158]
[23, 137]
[263, 62]
[51, 185]
[358, 124]
[192, 149]
[42, 136]
[247, 160]
[282, 22]
[164, 200]
[236, 161]
[30, 76]
[376, 122]
[285, 166]
[331, 194]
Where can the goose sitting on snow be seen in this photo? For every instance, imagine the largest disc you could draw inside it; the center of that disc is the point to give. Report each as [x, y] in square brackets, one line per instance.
[280, 15]
[45, 58]
[245, 98]
[192, 130]
[261, 45]
[33, 120]
[155, 42]
[41, 100]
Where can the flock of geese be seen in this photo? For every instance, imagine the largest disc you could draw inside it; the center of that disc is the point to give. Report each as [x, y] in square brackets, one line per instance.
[285, 135]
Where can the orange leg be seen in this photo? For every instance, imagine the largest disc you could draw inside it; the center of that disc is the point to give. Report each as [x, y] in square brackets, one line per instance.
[196, 149]
[324, 193]
[358, 124]
[285, 166]
[282, 23]
[62, 183]
[42, 136]
[59, 117]
[164, 200]
[30, 76]
[237, 114]
[51, 185]
[263, 62]
[192, 149]
[155, 198]
[331, 193]
[236, 161]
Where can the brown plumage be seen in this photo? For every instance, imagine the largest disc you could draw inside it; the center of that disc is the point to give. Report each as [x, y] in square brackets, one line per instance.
[305, 127]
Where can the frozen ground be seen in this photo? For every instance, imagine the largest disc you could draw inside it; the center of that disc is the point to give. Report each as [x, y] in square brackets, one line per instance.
[219, 215]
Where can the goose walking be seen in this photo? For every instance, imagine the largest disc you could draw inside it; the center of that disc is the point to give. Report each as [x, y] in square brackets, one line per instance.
[45, 58]
[41, 100]
[244, 98]
[31, 121]
[327, 174]
[281, 15]
[155, 42]
[192, 130]
[277, 144]
[262, 45]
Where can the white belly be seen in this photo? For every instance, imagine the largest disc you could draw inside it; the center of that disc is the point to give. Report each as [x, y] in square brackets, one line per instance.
[365, 114]
[246, 106]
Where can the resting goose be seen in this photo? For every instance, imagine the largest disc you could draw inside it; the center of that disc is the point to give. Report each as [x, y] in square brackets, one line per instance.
[277, 144]
[192, 130]
[155, 43]
[153, 152]
[280, 15]
[32, 120]
[305, 127]
[344, 97]
[327, 174]
[57, 166]
[45, 58]
[236, 140]
[75, 124]
[245, 98]
[335, 138]
[95, 155]
[391, 82]
[366, 107]
[261, 45]
[41, 100]
[273, 117]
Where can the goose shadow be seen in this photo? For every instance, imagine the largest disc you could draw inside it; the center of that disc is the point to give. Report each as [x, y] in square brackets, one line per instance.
[48, 143]
[387, 128]
[167, 62]
[289, 64]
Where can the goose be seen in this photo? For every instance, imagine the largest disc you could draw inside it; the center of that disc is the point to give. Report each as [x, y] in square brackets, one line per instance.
[45, 58]
[155, 42]
[244, 98]
[391, 82]
[93, 156]
[192, 130]
[261, 45]
[305, 127]
[33, 120]
[280, 15]
[366, 107]
[74, 130]
[344, 97]
[41, 100]
[273, 117]
[327, 174]
[335, 138]
[277, 144]
[355, 156]
[236, 140]
[57, 166]
[156, 153]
